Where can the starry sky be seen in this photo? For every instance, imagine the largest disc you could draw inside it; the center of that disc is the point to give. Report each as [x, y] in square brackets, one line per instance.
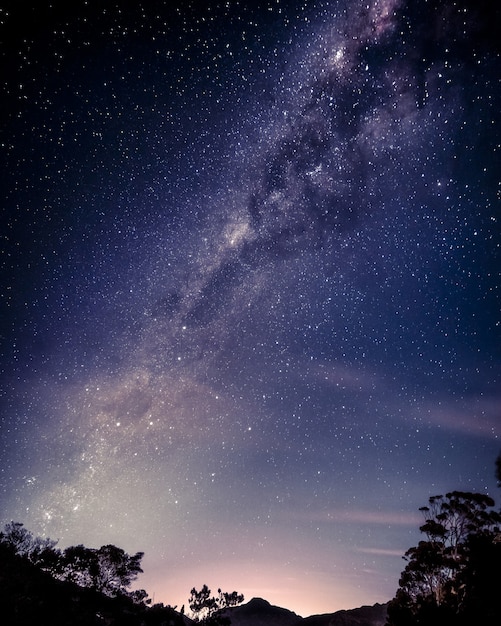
[250, 314]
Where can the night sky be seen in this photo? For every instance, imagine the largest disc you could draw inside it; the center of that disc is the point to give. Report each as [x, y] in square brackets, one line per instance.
[250, 312]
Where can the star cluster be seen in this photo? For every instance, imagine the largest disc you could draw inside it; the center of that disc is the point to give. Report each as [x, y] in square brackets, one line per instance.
[249, 284]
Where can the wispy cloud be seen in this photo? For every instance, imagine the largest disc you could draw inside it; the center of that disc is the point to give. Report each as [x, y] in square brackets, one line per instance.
[346, 377]
[381, 551]
[480, 415]
[386, 518]
[360, 516]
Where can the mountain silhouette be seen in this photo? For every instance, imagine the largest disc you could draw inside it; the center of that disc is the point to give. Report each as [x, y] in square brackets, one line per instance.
[259, 612]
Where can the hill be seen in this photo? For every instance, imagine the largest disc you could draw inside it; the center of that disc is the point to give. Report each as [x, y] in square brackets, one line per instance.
[259, 612]
[30, 596]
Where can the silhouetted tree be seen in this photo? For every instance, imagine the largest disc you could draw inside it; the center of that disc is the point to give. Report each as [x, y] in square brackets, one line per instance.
[201, 603]
[30, 596]
[17, 536]
[206, 608]
[227, 600]
[115, 570]
[24, 543]
[442, 576]
[78, 565]
[39, 551]
[108, 569]
[79, 586]
[139, 596]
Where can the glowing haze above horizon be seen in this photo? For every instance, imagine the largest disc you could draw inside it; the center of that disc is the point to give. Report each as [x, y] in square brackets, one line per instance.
[250, 290]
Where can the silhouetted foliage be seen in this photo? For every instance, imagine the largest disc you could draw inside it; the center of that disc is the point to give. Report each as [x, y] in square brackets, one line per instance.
[30, 596]
[107, 569]
[113, 570]
[36, 549]
[76, 565]
[206, 608]
[452, 576]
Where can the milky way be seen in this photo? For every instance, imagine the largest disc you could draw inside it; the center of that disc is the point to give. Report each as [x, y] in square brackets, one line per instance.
[250, 288]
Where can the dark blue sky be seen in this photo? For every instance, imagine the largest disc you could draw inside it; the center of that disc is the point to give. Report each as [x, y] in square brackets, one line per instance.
[250, 284]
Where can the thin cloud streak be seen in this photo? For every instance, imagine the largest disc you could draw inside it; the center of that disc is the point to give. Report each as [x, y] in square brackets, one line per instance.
[480, 416]
[381, 551]
[348, 516]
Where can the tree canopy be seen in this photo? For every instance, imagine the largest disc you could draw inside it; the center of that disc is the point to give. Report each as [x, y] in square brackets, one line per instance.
[108, 569]
[206, 608]
[450, 577]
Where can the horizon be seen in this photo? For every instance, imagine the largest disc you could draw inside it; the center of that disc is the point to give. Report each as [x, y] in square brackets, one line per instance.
[249, 298]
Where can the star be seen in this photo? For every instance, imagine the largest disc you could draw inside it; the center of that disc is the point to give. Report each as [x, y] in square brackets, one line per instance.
[249, 310]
